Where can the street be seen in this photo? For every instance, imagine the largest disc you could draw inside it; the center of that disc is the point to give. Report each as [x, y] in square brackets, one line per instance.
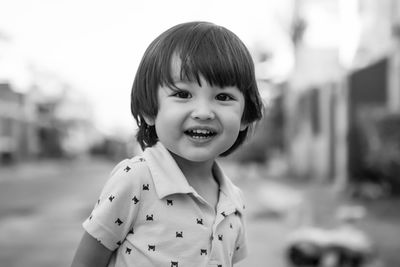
[42, 208]
[44, 204]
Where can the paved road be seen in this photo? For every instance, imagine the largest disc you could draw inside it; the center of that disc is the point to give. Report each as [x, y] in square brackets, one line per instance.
[43, 205]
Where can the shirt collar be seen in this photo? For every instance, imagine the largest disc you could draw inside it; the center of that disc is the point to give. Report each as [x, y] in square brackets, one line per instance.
[167, 176]
[226, 186]
[169, 179]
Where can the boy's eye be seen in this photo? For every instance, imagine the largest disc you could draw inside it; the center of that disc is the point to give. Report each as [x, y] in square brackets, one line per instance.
[224, 97]
[181, 94]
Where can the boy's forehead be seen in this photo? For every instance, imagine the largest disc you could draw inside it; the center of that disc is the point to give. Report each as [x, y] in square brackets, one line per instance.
[176, 63]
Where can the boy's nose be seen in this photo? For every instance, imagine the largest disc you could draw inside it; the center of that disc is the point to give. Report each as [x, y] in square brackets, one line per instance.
[203, 111]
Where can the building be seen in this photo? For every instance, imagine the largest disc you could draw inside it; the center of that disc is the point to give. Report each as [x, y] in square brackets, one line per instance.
[342, 74]
[17, 125]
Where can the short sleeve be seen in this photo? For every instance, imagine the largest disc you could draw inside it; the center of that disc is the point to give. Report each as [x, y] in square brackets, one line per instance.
[116, 209]
[240, 251]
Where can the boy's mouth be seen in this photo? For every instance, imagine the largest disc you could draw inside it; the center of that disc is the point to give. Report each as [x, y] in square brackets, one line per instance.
[200, 133]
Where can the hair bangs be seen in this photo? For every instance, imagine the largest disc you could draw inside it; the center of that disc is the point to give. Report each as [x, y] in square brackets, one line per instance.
[216, 55]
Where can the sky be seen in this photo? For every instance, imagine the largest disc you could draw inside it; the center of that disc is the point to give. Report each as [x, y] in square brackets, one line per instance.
[96, 45]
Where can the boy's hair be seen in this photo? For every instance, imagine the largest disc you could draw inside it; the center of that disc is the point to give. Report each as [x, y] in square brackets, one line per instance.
[204, 49]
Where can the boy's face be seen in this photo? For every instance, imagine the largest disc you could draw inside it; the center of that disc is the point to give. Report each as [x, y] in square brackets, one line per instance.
[198, 123]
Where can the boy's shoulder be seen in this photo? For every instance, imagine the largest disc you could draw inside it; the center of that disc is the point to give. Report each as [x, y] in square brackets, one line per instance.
[135, 168]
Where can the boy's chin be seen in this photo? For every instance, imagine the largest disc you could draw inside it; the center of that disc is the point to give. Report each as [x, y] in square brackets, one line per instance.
[197, 156]
[204, 157]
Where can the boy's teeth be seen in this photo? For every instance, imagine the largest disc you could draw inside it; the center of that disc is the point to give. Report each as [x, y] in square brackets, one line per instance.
[201, 131]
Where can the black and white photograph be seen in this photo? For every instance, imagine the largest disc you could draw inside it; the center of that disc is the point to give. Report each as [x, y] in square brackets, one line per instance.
[218, 133]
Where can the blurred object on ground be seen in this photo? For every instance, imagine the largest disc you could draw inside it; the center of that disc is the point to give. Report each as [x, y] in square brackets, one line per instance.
[345, 245]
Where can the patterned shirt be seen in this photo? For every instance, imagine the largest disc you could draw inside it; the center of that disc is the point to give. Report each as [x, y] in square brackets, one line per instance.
[149, 215]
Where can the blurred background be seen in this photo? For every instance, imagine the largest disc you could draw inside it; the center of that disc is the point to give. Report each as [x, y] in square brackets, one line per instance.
[329, 145]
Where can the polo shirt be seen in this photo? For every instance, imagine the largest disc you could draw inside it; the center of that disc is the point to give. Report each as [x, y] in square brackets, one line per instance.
[149, 215]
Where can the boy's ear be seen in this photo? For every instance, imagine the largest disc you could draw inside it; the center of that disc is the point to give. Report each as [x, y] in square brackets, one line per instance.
[149, 120]
[243, 126]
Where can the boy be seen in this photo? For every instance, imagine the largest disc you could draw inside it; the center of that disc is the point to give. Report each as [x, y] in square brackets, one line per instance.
[194, 98]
